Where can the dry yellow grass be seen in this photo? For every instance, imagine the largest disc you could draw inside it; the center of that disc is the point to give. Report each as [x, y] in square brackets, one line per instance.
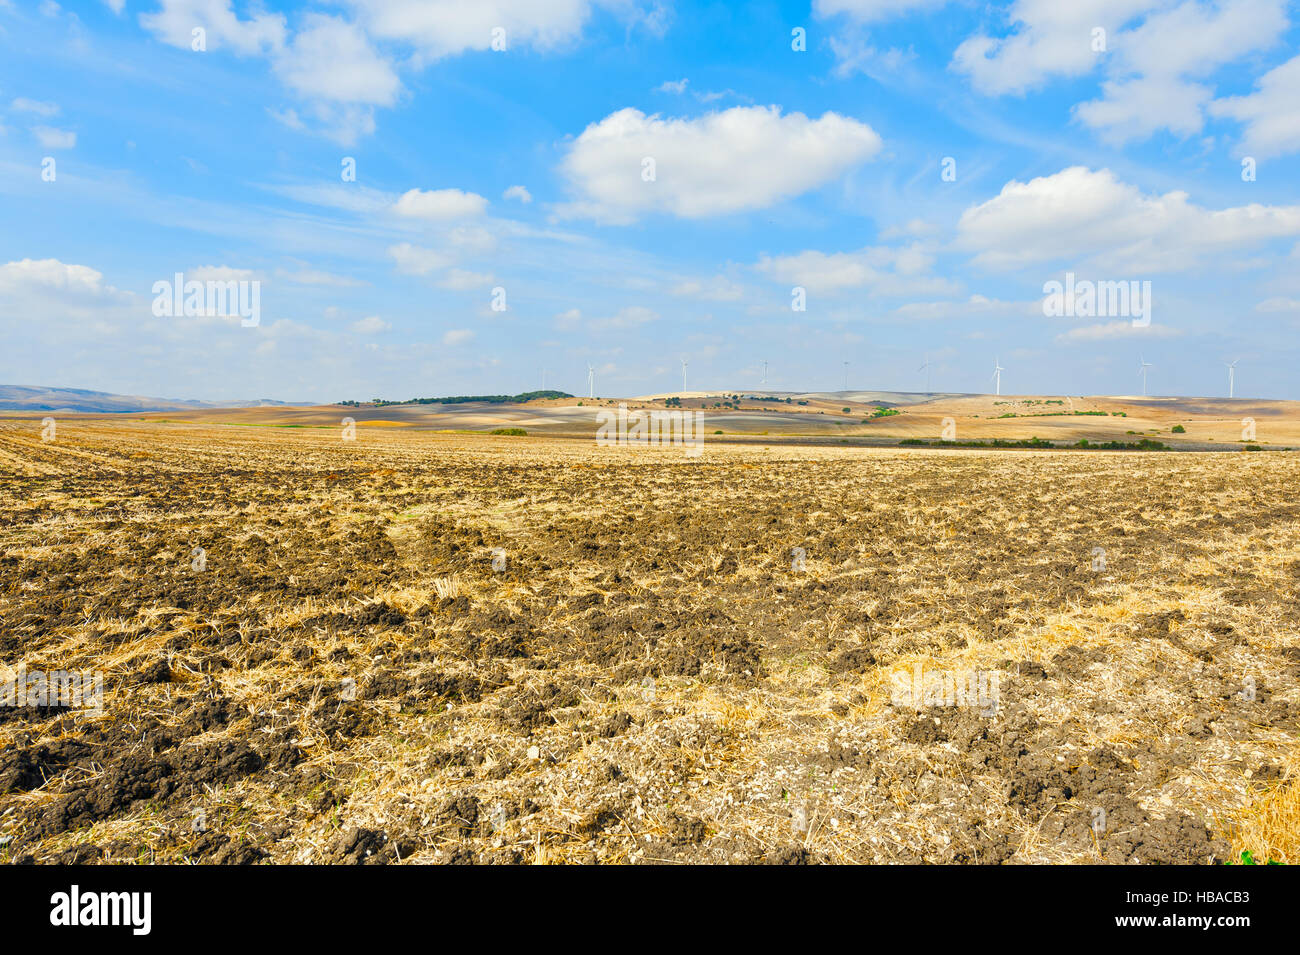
[650, 675]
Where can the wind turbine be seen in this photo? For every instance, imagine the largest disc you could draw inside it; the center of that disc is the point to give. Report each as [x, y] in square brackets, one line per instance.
[1232, 368]
[926, 368]
[846, 376]
[765, 374]
[1143, 365]
[997, 376]
[591, 381]
[684, 374]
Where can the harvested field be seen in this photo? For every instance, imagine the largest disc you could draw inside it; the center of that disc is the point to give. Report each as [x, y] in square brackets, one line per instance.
[463, 649]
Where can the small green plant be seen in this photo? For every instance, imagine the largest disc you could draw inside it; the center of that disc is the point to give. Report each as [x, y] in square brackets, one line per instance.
[1248, 859]
[1178, 429]
[515, 432]
[846, 410]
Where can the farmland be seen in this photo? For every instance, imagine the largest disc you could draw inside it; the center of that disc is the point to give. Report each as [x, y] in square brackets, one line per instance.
[461, 648]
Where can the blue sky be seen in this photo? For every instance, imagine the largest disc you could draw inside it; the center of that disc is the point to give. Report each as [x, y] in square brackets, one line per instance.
[523, 170]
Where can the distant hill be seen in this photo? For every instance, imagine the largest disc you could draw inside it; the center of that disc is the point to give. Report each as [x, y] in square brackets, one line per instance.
[518, 399]
[37, 398]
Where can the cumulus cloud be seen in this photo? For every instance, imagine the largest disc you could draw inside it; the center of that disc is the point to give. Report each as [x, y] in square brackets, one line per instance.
[1157, 56]
[1158, 62]
[1048, 39]
[51, 275]
[175, 20]
[1083, 214]
[1271, 114]
[331, 59]
[439, 204]
[519, 193]
[457, 336]
[724, 162]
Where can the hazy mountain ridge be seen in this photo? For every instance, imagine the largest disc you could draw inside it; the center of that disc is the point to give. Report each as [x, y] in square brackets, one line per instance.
[43, 398]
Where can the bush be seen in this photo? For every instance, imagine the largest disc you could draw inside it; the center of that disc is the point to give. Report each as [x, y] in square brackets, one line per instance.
[518, 432]
[1178, 429]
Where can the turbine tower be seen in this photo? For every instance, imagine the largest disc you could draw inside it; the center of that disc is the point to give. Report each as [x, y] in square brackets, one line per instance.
[1232, 369]
[591, 381]
[684, 375]
[846, 376]
[926, 368]
[1143, 365]
[765, 375]
[997, 376]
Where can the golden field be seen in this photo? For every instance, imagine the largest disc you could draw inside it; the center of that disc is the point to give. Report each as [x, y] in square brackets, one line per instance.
[421, 647]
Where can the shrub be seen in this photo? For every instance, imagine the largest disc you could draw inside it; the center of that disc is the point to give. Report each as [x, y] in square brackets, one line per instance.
[520, 432]
[1178, 429]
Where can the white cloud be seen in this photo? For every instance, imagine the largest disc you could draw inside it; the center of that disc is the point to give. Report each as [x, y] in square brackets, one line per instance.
[913, 227]
[115, 5]
[24, 105]
[977, 306]
[308, 276]
[52, 138]
[880, 269]
[416, 260]
[716, 289]
[1051, 39]
[672, 86]
[1111, 331]
[1081, 214]
[1155, 51]
[52, 275]
[568, 321]
[1154, 61]
[370, 325]
[1276, 305]
[175, 19]
[725, 162]
[219, 273]
[518, 192]
[439, 28]
[331, 59]
[629, 317]
[1136, 108]
[462, 280]
[866, 11]
[440, 204]
[1271, 114]
[457, 336]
